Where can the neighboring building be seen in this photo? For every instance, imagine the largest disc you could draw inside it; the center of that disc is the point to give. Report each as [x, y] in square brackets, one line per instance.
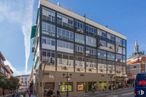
[2, 59]
[136, 63]
[23, 82]
[67, 43]
[5, 70]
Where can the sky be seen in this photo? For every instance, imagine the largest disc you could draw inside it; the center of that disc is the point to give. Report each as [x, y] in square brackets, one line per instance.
[127, 17]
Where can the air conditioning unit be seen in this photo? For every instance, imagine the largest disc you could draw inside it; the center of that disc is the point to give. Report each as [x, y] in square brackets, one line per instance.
[78, 69]
[64, 68]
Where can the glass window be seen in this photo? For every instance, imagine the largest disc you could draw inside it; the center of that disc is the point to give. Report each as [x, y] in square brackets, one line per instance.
[79, 26]
[91, 29]
[64, 44]
[65, 34]
[80, 86]
[110, 56]
[102, 43]
[79, 48]
[119, 41]
[79, 38]
[48, 56]
[102, 33]
[79, 64]
[124, 59]
[124, 51]
[118, 58]
[111, 37]
[101, 54]
[111, 46]
[65, 21]
[48, 41]
[90, 51]
[48, 29]
[119, 50]
[91, 41]
[124, 43]
[66, 86]
[48, 14]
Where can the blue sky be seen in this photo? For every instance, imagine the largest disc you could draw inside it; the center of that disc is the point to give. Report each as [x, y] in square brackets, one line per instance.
[125, 16]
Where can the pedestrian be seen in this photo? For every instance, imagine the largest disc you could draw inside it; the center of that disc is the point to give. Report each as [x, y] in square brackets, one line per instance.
[29, 93]
[49, 93]
[58, 93]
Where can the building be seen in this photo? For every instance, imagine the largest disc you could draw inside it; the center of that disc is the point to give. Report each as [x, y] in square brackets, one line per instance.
[23, 82]
[2, 59]
[136, 63]
[5, 70]
[72, 51]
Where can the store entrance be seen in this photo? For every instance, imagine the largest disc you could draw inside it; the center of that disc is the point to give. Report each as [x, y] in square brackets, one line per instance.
[91, 86]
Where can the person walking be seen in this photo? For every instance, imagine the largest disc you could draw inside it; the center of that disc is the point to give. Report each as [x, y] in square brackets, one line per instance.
[58, 93]
[29, 93]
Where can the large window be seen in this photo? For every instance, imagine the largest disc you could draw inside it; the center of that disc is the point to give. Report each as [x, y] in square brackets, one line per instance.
[48, 15]
[91, 41]
[79, 48]
[48, 29]
[91, 29]
[48, 43]
[102, 33]
[64, 46]
[101, 54]
[79, 38]
[102, 43]
[65, 60]
[111, 46]
[102, 67]
[119, 41]
[90, 51]
[119, 49]
[65, 20]
[66, 87]
[110, 37]
[48, 57]
[79, 26]
[80, 64]
[118, 58]
[110, 56]
[110, 69]
[91, 65]
[65, 34]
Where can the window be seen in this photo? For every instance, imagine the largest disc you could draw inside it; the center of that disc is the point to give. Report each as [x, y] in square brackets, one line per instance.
[65, 21]
[124, 51]
[102, 43]
[80, 64]
[65, 60]
[118, 58]
[79, 38]
[91, 65]
[111, 69]
[66, 86]
[124, 43]
[102, 67]
[49, 57]
[80, 86]
[64, 46]
[90, 51]
[48, 14]
[119, 50]
[48, 41]
[91, 41]
[111, 46]
[110, 56]
[110, 37]
[65, 34]
[79, 48]
[91, 29]
[48, 29]
[102, 33]
[101, 54]
[124, 59]
[79, 26]
[119, 41]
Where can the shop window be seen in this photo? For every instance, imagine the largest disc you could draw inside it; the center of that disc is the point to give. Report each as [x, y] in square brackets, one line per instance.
[66, 86]
[80, 86]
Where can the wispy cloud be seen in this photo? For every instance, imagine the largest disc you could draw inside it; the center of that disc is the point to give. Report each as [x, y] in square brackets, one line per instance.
[19, 11]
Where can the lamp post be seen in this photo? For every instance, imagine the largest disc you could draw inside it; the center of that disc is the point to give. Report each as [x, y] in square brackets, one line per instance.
[67, 76]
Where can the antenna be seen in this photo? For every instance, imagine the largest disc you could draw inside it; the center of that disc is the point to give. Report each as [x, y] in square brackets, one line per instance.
[58, 3]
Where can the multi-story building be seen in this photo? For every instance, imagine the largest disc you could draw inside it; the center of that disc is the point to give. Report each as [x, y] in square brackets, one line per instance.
[2, 59]
[66, 43]
[136, 63]
[23, 82]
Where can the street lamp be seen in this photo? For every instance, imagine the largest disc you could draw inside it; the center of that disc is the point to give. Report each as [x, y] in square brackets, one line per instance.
[67, 76]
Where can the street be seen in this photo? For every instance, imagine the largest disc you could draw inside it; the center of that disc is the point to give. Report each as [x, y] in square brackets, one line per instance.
[128, 92]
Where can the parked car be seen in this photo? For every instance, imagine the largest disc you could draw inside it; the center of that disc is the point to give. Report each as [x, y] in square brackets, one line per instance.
[140, 85]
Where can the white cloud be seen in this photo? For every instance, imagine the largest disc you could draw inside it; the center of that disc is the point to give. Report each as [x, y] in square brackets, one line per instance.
[21, 12]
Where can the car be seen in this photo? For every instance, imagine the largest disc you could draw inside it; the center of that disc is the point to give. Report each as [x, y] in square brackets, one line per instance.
[140, 85]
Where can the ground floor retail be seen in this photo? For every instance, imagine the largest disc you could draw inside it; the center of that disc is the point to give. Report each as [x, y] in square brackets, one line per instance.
[76, 82]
